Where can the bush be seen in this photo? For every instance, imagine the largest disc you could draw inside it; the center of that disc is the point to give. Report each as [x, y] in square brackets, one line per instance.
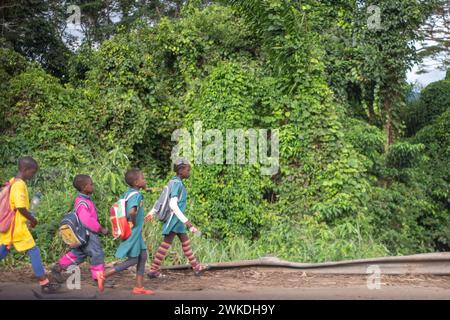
[404, 154]
[434, 100]
[435, 137]
[309, 240]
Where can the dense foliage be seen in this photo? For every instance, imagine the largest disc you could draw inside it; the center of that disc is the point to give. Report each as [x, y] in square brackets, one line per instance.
[362, 172]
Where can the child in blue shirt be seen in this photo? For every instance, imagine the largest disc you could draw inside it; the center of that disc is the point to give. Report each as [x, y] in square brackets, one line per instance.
[133, 248]
[177, 223]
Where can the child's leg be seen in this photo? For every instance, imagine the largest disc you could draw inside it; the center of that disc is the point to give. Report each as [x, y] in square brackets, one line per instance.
[39, 271]
[140, 269]
[142, 260]
[117, 268]
[3, 252]
[161, 253]
[95, 251]
[70, 258]
[187, 250]
[126, 264]
[36, 263]
[121, 266]
[73, 257]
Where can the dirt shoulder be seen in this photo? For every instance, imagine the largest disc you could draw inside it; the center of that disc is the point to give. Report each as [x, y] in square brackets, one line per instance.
[245, 283]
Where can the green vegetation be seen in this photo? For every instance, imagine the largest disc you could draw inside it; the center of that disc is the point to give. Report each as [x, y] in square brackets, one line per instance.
[363, 173]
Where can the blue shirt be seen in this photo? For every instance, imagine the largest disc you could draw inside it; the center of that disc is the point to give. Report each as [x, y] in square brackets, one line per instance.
[173, 224]
[132, 246]
[179, 190]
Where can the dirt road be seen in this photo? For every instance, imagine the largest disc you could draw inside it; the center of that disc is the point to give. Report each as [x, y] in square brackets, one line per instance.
[245, 283]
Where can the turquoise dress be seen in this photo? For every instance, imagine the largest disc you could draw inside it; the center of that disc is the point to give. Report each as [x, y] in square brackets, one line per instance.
[173, 224]
[132, 247]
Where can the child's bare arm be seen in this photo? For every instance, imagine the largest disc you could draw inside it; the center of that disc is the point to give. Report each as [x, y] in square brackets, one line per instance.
[28, 215]
[133, 214]
[149, 215]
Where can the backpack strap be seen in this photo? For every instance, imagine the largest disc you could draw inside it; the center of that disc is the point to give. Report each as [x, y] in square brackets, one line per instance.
[128, 198]
[170, 185]
[130, 195]
[172, 182]
[81, 202]
[181, 195]
[13, 224]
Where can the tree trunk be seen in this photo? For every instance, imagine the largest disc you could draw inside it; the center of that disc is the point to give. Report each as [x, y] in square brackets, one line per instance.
[388, 127]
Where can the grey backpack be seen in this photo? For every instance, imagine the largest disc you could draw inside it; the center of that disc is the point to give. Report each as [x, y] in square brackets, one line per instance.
[161, 206]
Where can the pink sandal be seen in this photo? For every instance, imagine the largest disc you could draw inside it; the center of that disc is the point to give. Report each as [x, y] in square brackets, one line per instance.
[142, 291]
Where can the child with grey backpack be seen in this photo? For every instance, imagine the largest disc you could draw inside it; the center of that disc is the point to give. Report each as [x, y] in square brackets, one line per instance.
[176, 223]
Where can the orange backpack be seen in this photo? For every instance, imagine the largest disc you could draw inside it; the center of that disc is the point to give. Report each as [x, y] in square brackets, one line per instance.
[118, 216]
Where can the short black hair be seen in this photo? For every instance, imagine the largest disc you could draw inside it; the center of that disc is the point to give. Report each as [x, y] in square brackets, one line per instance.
[27, 162]
[132, 175]
[178, 167]
[179, 164]
[80, 181]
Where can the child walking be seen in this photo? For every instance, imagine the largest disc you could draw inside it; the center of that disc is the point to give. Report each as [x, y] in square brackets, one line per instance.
[18, 234]
[177, 223]
[87, 213]
[133, 248]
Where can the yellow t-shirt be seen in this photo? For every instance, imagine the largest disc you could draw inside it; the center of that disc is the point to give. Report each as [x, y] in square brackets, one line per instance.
[22, 238]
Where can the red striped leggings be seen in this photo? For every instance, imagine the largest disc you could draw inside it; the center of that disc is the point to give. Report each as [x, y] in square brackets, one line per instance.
[164, 248]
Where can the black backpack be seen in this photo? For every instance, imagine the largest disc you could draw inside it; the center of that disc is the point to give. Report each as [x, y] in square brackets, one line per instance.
[72, 231]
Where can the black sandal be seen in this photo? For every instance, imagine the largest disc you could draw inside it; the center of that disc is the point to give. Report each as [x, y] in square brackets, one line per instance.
[50, 288]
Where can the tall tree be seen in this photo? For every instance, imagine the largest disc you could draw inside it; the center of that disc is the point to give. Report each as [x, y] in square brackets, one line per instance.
[101, 19]
[386, 31]
[436, 36]
[36, 29]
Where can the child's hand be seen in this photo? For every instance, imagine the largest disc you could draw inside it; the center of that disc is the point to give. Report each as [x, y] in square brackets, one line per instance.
[104, 231]
[131, 224]
[193, 229]
[149, 216]
[33, 222]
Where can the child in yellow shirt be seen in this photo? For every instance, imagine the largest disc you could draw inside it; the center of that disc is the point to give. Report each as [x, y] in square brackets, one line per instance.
[18, 234]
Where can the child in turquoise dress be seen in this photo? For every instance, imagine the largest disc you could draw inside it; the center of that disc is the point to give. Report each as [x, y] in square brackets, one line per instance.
[133, 248]
[177, 223]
